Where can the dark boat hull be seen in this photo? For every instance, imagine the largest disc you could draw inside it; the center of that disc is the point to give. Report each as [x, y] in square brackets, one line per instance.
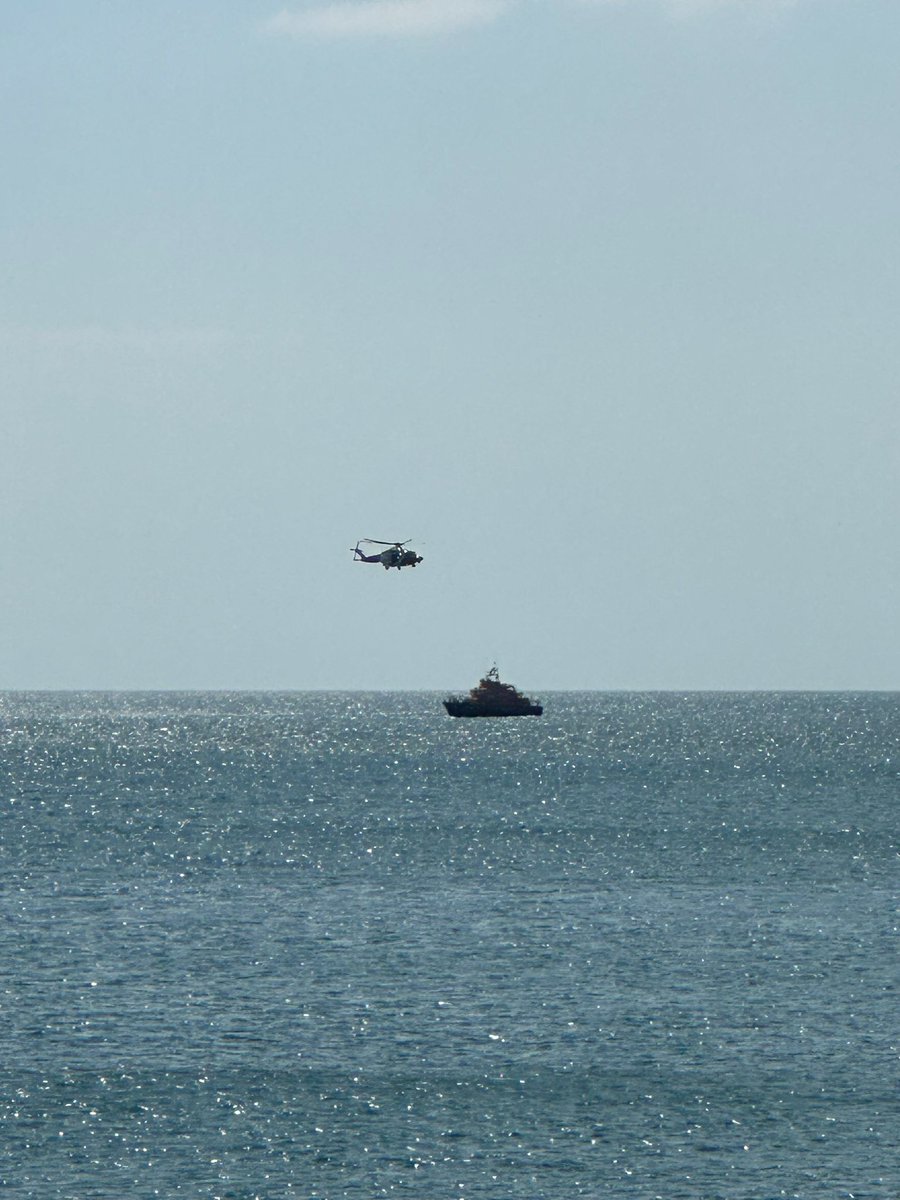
[466, 708]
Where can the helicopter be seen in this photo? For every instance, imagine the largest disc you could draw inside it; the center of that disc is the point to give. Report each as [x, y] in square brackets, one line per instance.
[395, 556]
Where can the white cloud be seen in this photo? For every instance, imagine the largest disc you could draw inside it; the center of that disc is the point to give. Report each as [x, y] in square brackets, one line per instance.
[388, 18]
[689, 8]
[423, 18]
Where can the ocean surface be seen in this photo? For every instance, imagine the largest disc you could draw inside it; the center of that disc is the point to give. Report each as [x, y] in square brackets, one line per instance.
[342, 945]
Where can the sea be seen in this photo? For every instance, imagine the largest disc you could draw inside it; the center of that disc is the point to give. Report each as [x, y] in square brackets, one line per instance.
[334, 945]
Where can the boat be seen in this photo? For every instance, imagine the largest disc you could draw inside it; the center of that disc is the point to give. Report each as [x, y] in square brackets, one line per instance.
[491, 698]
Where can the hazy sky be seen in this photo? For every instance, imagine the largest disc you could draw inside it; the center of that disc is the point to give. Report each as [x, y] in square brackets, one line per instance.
[598, 302]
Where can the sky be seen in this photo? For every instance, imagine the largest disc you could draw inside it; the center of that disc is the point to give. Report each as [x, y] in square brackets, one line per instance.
[596, 301]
